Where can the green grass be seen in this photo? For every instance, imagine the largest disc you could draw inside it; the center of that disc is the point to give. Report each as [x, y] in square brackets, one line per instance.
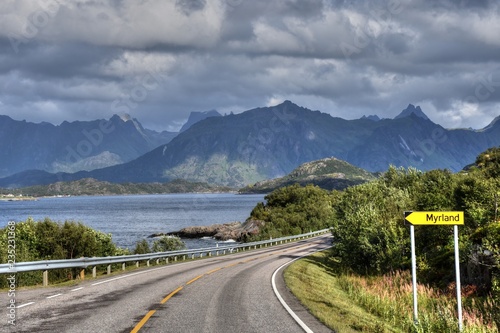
[351, 303]
[314, 283]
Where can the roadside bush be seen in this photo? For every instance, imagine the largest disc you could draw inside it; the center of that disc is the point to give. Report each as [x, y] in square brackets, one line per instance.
[168, 243]
[294, 210]
[49, 240]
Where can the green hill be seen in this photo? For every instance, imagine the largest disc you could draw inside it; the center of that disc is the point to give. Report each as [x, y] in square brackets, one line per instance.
[328, 173]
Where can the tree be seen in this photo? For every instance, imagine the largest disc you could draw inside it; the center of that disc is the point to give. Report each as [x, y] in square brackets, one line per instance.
[489, 162]
[293, 210]
[368, 231]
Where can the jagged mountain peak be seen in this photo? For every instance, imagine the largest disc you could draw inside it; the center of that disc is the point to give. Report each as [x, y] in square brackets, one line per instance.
[372, 117]
[412, 109]
[125, 117]
[197, 116]
[493, 123]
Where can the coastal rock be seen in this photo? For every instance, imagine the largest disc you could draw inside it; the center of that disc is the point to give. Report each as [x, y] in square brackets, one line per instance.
[234, 230]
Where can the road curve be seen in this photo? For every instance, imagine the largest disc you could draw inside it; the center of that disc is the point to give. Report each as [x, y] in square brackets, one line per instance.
[221, 294]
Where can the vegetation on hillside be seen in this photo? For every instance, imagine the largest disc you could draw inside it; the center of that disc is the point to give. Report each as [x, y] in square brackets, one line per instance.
[294, 210]
[90, 186]
[327, 173]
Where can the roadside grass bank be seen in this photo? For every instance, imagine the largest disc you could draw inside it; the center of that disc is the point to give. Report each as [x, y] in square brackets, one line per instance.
[350, 303]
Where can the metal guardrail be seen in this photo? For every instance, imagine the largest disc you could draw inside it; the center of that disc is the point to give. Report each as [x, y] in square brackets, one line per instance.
[84, 262]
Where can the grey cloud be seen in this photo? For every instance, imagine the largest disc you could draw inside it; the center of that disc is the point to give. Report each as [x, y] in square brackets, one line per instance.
[189, 6]
[240, 54]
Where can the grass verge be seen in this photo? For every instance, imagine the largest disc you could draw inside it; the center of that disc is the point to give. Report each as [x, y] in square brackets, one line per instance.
[351, 303]
[316, 285]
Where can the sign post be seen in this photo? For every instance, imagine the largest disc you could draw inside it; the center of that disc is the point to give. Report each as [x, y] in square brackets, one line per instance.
[414, 273]
[435, 218]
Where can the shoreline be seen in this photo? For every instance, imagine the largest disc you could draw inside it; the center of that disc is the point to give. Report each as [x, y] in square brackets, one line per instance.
[18, 199]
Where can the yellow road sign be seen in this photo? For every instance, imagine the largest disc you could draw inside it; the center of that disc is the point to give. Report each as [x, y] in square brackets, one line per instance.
[435, 218]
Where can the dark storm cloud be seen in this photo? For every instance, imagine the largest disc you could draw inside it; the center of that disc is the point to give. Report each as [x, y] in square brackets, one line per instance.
[158, 60]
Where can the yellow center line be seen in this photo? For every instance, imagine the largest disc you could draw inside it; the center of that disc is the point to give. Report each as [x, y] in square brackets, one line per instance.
[214, 270]
[151, 312]
[170, 295]
[196, 278]
[143, 321]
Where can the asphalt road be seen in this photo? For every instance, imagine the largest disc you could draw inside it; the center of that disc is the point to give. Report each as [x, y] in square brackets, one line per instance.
[230, 293]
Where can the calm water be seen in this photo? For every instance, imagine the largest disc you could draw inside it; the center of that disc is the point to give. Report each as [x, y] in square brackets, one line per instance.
[132, 218]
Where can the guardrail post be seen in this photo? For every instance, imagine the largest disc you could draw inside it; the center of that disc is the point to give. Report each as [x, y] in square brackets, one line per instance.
[147, 263]
[109, 269]
[137, 263]
[175, 258]
[94, 272]
[209, 254]
[166, 260]
[192, 256]
[124, 266]
[82, 274]
[158, 261]
[184, 258]
[45, 278]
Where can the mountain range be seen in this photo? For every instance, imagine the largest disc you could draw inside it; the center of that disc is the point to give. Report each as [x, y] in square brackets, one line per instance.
[269, 142]
[75, 146]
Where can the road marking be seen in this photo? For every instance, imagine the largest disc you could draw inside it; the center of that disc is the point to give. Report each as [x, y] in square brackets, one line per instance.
[143, 321]
[151, 312]
[214, 270]
[23, 305]
[192, 280]
[54, 296]
[170, 295]
[77, 289]
[282, 301]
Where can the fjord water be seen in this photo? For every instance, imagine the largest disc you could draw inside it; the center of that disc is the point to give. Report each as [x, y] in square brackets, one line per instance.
[130, 218]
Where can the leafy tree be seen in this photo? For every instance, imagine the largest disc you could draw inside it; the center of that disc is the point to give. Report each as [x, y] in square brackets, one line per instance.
[477, 196]
[489, 162]
[294, 210]
[368, 231]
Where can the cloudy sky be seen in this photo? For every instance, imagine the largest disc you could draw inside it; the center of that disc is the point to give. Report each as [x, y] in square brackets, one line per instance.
[158, 60]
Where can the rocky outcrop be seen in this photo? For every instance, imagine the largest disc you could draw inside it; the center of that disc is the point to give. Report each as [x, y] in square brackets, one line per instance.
[235, 230]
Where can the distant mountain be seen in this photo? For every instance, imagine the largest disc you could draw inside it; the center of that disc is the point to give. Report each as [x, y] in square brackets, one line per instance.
[411, 109]
[197, 116]
[75, 146]
[328, 173]
[270, 142]
[494, 123]
[372, 117]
